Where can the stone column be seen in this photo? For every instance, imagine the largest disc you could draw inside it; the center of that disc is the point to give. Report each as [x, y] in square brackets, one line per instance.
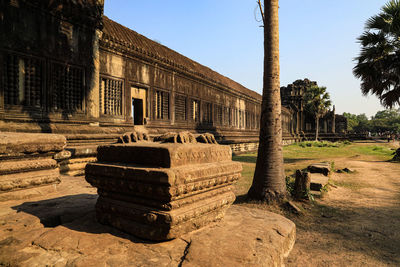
[93, 101]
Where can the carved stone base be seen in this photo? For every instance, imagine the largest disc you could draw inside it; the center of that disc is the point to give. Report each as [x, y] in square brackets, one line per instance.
[184, 187]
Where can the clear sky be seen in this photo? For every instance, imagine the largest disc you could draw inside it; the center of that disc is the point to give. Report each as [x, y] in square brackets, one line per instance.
[317, 39]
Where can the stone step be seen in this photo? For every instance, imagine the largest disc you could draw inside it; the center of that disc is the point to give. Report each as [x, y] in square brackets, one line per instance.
[318, 181]
[323, 167]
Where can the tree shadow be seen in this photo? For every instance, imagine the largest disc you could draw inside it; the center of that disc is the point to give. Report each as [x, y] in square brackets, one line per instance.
[354, 229]
[75, 212]
[253, 159]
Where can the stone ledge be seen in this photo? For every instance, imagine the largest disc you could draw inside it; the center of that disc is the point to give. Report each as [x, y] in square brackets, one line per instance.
[14, 144]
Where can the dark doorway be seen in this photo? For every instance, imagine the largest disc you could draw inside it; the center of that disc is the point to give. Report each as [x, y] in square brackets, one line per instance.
[137, 111]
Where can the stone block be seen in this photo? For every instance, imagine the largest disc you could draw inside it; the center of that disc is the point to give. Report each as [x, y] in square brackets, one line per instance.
[318, 181]
[16, 145]
[161, 191]
[24, 180]
[323, 167]
[164, 155]
[26, 160]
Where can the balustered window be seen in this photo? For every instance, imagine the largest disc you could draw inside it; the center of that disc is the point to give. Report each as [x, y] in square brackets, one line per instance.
[195, 110]
[111, 96]
[218, 114]
[161, 105]
[23, 81]
[67, 87]
[180, 108]
[230, 123]
[208, 113]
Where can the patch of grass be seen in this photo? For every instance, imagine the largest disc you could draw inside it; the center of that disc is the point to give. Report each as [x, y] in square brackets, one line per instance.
[350, 185]
[290, 184]
[296, 152]
[244, 183]
[248, 158]
[378, 151]
[298, 157]
[322, 144]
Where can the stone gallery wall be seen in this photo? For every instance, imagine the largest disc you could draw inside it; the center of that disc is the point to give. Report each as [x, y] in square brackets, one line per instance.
[65, 68]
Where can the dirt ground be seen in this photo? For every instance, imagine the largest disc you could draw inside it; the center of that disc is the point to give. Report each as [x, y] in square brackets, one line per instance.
[357, 223]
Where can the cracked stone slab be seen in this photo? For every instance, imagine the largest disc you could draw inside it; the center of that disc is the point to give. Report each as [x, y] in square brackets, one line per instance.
[60, 229]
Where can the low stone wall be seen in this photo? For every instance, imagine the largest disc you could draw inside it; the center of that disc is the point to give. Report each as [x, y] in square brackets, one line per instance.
[27, 160]
[161, 191]
[239, 148]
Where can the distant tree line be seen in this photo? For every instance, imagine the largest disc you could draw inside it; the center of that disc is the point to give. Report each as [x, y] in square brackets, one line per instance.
[385, 121]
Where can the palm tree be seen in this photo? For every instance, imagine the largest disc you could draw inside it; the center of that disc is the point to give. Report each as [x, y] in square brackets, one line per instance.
[269, 178]
[378, 65]
[317, 102]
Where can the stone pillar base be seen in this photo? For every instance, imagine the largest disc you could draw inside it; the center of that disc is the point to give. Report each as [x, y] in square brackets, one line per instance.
[161, 191]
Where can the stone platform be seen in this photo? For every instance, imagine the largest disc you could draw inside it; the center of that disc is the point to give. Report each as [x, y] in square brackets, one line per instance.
[60, 229]
[27, 161]
[161, 191]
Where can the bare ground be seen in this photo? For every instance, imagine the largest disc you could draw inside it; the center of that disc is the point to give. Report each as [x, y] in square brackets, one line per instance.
[357, 223]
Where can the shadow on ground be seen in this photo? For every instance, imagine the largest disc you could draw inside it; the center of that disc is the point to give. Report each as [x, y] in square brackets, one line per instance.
[75, 212]
[253, 159]
[348, 233]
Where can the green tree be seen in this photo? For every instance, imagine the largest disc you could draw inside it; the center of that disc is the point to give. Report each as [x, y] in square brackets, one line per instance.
[352, 121]
[317, 102]
[269, 177]
[378, 65]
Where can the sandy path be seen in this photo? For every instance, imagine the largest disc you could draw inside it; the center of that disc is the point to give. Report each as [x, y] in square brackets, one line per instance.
[357, 223]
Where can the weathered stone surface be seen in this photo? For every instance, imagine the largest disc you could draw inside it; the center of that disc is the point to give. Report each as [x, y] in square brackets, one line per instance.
[9, 167]
[83, 151]
[323, 167]
[164, 155]
[187, 187]
[26, 161]
[60, 229]
[76, 166]
[318, 181]
[133, 137]
[22, 180]
[164, 184]
[63, 155]
[15, 144]
[302, 185]
[206, 138]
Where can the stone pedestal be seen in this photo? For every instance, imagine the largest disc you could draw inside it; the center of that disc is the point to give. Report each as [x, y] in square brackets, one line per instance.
[161, 191]
[26, 160]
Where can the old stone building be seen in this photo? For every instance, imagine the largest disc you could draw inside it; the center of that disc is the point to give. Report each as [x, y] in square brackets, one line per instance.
[301, 123]
[66, 68]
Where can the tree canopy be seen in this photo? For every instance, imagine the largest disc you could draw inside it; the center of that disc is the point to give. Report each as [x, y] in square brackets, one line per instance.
[384, 121]
[378, 65]
[317, 101]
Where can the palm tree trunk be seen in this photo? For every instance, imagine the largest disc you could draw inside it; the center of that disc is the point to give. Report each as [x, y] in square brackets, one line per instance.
[316, 127]
[269, 178]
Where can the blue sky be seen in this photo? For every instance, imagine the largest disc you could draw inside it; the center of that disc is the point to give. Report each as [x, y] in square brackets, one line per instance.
[317, 39]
